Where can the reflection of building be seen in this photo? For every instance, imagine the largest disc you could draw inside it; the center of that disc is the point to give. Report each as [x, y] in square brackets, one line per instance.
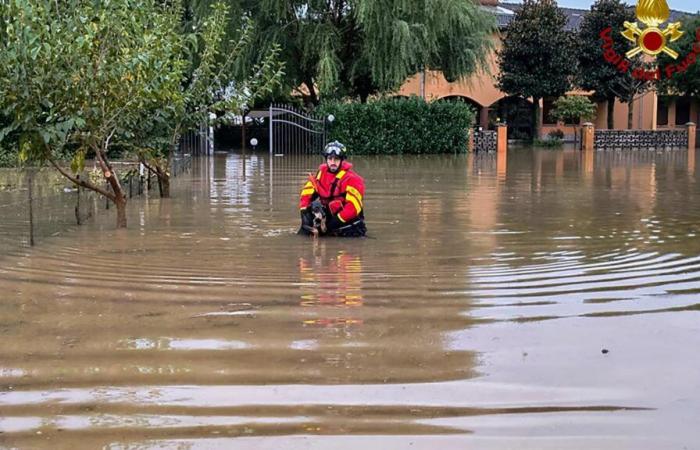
[491, 105]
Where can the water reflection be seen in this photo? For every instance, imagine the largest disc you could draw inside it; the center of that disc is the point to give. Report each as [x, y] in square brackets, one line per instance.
[478, 308]
[333, 285]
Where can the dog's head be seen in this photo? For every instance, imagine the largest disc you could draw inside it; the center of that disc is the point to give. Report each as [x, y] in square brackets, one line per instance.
[319, 215]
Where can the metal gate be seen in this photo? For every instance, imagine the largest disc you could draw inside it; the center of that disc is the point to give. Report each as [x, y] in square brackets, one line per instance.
[293, 132]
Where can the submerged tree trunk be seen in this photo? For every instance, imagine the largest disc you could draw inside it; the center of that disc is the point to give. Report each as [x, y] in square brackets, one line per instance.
[630, 112]
[119, 197]
[611, 113]
[120, 202]
[537, 122]
[163, 183]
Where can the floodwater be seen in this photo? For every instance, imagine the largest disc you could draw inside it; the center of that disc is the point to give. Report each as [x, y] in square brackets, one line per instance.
[549, 300]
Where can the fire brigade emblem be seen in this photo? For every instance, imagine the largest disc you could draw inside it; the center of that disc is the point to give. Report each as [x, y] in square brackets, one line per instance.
[652, 40]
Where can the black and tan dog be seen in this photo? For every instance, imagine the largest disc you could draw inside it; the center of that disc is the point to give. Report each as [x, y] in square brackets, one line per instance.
[314, 219]
[315, 222]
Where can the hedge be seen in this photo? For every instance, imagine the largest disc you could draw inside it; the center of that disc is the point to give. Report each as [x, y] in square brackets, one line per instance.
[400, 126]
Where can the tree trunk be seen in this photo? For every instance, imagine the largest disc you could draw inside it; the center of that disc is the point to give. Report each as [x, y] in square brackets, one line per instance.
[630, 112]
[120, 202]
[313, 97]
[164, 185]
[537, 122]
[163, 177]
[113, 181]
[611, 113]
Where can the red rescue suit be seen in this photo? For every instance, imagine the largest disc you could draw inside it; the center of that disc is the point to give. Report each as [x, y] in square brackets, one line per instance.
[340, 192]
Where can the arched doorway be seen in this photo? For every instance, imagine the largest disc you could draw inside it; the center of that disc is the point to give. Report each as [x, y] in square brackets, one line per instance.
[518, 113]
[473, 103]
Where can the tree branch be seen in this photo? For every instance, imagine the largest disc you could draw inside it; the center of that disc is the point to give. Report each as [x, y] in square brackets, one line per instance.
[78, 182]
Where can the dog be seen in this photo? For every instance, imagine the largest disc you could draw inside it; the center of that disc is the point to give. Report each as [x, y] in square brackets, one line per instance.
[314, 220]
[318, 213]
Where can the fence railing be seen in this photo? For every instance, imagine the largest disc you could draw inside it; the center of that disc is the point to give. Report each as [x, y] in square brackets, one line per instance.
[485, 141]
[640, 139]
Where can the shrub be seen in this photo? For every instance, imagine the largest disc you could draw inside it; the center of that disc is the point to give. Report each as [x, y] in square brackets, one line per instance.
[400, 126]
[8, 158]
[556, 135]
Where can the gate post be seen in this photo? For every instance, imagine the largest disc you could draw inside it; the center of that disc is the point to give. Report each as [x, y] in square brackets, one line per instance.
[502, 137]
[588, 138]
[691, 135]
[270, 143]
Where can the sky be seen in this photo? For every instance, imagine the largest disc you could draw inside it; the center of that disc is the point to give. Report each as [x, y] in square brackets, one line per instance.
[678, 5]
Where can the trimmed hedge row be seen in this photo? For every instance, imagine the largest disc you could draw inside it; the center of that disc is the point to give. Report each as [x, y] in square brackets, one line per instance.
[400, 126]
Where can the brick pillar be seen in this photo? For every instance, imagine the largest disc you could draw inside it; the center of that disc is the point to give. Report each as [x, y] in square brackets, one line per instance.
[691, 135]
[470, 140]
[502, 137]
[501, 164]
[588, 137]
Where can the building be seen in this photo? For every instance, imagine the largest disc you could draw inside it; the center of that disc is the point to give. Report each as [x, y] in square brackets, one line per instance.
[650, 110]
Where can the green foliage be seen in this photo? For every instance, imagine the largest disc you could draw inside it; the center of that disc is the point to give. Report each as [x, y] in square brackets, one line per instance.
[536, 58]
[400, 126]
[686, 82]
[555, 135]
[574, 108]
[206, 83]
[548, 143]
[79, 73]
[360, 47]
[595, 73]
[8, 157]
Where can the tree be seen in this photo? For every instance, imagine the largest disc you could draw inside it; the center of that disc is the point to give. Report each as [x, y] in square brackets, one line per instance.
[628, 88]
[677, 81]
[206, 83]
[360, 47]
[595, 74]
[536, 57]
[76, 76]
[574, 109]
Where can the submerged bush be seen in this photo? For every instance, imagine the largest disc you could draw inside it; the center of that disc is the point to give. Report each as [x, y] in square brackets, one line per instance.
[400, 126]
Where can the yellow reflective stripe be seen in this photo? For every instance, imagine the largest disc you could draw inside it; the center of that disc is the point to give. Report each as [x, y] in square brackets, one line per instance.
[341, 174]
[307, 191]
[356, 204]
[318, 175]
[354, 192]
[340, 218]
[308, 185]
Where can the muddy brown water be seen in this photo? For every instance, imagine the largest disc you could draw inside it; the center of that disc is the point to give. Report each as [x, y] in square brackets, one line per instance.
[549, 300]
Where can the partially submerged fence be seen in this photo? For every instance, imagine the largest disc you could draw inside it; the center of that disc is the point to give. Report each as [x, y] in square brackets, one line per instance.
[638, 139]
[481, 140]
[37, 203]
[485, 141]
[294, 132]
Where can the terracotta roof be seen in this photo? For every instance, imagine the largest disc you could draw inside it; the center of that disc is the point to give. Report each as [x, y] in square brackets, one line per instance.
[573, 15]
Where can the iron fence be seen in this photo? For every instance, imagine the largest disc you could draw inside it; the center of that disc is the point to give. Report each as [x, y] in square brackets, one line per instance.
[294, 132]
[640, 139]
[485, 141]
